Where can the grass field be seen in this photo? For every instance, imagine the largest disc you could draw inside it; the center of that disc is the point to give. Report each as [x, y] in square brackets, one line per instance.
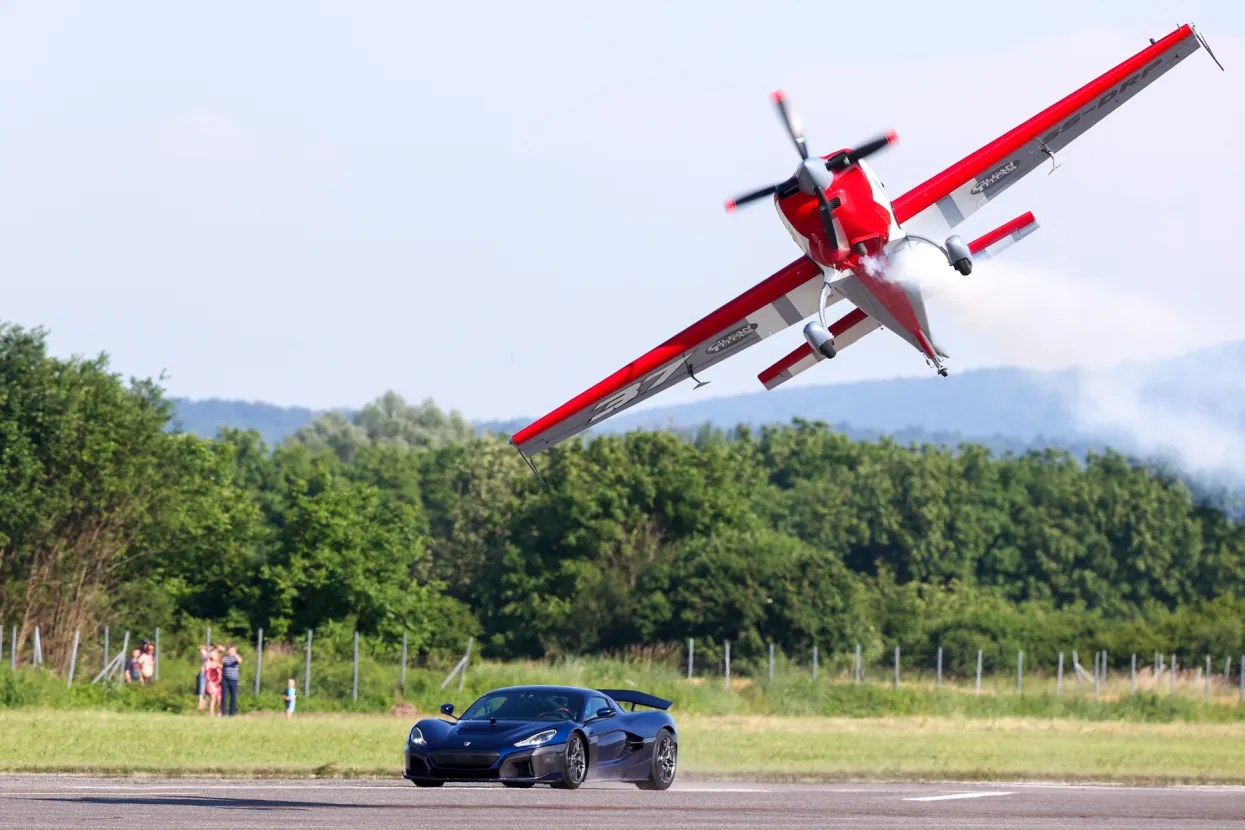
[792, 692]
[765, 747]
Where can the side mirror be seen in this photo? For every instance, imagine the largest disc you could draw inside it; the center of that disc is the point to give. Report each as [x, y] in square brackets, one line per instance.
[447, 709]
[605, 712]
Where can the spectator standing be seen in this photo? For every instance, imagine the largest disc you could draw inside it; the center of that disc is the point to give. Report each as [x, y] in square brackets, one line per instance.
[290, 695]
[133, 674]
[147, 663]
[229, 667]
[212, 674]
[202, 683]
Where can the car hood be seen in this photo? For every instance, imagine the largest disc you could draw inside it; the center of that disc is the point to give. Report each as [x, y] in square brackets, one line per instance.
[482, 734]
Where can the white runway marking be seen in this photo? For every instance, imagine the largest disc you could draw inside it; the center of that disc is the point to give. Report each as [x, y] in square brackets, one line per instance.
[953, 796]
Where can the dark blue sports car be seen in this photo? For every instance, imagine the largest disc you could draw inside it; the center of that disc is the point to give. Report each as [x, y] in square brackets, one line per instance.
[557, 735]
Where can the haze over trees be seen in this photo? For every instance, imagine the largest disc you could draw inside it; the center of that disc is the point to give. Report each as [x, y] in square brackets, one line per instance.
[398, 518]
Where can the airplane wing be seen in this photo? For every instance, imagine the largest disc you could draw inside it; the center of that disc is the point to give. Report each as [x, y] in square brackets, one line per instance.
[783, 299]
[856, 323]
[937, 206]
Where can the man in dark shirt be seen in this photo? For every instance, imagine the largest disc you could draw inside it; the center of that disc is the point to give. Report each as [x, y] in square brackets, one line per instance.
[229, 678]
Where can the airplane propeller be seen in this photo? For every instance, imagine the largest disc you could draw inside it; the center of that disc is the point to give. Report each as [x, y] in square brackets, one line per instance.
[814, 175]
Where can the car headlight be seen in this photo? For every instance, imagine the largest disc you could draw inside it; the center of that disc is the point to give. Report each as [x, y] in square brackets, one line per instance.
[416, 737]
[539, 738]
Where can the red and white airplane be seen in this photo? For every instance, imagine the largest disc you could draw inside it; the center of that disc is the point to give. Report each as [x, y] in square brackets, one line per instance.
[848, 229]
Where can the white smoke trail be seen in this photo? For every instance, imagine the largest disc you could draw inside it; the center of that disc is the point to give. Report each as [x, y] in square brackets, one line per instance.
[1043, 320]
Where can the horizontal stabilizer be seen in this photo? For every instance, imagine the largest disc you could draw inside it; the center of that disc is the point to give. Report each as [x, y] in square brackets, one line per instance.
[1001, 238]
[846, 331]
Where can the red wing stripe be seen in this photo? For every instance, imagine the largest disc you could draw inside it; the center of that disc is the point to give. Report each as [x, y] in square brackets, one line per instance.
[980, 244]
[804, 350]
[789, 278]
[924, 195]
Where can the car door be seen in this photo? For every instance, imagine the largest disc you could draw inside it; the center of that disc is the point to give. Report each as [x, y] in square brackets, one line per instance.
[607, 737]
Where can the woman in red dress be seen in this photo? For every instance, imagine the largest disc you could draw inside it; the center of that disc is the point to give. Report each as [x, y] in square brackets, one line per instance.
[213, 671]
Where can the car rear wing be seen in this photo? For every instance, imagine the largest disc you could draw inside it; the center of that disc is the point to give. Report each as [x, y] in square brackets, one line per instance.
[636, 698]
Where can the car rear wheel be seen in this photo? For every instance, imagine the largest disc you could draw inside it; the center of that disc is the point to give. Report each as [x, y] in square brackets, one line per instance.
[665, 762]
[574, 764]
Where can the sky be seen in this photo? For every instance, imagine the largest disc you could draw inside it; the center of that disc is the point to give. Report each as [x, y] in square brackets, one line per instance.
[497, 204]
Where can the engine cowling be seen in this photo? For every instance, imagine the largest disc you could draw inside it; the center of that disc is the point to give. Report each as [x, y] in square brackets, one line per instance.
[958, 255]
[821, 341]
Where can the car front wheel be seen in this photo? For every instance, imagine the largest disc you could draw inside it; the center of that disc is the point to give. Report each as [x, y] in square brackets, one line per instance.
[574, 764]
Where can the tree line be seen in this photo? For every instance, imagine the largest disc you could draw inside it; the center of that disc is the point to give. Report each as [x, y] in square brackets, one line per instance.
[398, 519]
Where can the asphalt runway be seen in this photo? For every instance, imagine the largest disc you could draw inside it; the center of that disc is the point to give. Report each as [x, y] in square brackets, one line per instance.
[46, 801]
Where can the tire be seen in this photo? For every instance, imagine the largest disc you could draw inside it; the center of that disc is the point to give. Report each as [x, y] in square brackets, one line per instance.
[519, 785]
[574, 763]
[428, 783]
[665, 762]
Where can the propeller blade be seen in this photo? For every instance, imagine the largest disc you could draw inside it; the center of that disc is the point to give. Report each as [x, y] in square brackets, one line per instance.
[797, 135]
[827, 219]
[847, 159]
[740, 201]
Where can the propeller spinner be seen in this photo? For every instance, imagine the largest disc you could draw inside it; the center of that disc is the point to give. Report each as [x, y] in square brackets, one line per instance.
[814, 175]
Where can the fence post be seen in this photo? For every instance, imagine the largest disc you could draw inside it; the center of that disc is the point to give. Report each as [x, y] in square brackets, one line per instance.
[403, 681]
[896, 667]
[1059, 677]
[1207, 677]
[857, 664]
[814, 662]
[728, 665]
[156, 656]
[73, 658]
[1020, 662]
[1227, 673]
[125, 652]
[771, 662]
[307, 670]
[354, 694]
[691, 656]
[107, 654]
[13, 649]
[466, 659]
[259, 658]
[1104, 666]
[938, 682]
[1173, 672]
[36, 656]
[978, 671]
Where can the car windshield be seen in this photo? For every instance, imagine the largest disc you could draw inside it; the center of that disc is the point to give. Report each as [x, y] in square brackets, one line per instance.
[549, 706]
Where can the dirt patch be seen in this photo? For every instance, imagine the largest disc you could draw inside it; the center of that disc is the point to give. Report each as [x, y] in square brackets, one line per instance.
[404, 710]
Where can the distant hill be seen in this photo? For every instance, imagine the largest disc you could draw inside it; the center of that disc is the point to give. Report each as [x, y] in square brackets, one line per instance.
[1005, 409]
[273, 422]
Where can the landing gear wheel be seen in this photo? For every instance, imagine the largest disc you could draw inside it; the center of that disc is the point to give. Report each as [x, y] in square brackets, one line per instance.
[964, 266]
[520, 785]
[428, 783]
[574, 764]
[665, 761]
